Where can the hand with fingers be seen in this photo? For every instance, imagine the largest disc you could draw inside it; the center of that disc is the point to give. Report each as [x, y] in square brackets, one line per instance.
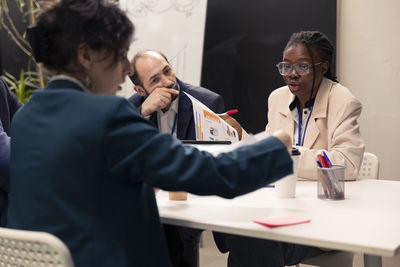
[232, 122]
[160, 98]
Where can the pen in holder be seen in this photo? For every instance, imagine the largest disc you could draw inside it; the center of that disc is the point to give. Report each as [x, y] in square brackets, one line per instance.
[331, 182]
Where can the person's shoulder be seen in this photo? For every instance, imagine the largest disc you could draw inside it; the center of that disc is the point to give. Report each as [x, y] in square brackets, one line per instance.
[337, 97]
[136, 99]
[197, 91]
[341, 93]
[280, 92]
[81, 99]
[110, 99]
[5, 92]
[3, 85]
[111, 105]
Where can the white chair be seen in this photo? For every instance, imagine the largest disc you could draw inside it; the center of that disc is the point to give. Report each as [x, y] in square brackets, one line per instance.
[369, 167]
[369, 170]
[27, 248]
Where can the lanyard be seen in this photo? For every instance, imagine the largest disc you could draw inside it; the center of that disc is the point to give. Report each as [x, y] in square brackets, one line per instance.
[299, 141]
[174, 125]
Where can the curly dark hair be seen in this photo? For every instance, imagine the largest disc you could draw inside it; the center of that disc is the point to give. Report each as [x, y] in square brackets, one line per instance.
[318, 41]
[69, 23]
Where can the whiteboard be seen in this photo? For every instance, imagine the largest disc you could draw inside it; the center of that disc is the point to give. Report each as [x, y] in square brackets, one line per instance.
[174, 27]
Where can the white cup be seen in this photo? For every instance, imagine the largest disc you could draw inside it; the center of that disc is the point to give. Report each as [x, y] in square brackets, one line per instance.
[286, 187]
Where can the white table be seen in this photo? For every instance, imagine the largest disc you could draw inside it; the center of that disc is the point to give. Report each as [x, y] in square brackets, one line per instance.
[367, 221]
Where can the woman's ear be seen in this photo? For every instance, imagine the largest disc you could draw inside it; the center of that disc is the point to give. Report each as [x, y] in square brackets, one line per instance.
[84, 56]
[325, 67]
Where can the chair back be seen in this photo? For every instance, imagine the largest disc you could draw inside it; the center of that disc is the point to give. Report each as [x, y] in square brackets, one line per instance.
[27, 248]
[369, 167]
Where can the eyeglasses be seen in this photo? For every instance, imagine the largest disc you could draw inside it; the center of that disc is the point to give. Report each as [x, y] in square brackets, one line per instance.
[285, 68]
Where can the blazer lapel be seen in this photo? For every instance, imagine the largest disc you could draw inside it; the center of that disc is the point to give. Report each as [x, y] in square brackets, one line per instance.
[312, 132]
[153, 119]
[319, 111]
[287, 124]
[185, 115]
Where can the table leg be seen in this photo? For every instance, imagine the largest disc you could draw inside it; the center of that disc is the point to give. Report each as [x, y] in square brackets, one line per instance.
[372, 261]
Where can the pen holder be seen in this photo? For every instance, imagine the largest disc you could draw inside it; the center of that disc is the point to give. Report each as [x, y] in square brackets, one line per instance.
[330, 183]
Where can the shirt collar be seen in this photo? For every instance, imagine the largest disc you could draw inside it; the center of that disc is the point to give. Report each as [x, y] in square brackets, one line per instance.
[71, 79]
[293, 104]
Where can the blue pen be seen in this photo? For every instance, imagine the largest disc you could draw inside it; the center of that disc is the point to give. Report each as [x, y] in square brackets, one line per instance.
[327, 159]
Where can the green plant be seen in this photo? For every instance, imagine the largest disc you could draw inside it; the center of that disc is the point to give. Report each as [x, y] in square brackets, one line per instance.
[23, 86]
[27, 8]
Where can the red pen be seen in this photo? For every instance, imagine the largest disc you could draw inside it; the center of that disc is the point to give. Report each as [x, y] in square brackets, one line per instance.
[323, 161]
[232, 111]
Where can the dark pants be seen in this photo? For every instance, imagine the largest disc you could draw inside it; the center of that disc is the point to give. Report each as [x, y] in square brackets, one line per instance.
[253, 252]
[183, 245]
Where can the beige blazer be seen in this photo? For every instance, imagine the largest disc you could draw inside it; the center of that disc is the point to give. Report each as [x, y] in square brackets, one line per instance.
[333, 127]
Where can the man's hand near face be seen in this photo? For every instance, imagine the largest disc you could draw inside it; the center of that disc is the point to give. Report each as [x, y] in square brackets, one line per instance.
[160, 98]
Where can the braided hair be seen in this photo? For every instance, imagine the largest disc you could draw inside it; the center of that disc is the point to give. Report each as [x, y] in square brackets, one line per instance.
[318, 41]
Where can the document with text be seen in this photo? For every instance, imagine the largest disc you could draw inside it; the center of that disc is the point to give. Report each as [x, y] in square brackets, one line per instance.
[209, 126]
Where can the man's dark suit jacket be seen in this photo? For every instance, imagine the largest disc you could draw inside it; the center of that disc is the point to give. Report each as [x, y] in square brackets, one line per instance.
[84, 167]
[185, 127]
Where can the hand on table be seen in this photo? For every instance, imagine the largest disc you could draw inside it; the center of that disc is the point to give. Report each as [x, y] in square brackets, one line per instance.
[232, 122]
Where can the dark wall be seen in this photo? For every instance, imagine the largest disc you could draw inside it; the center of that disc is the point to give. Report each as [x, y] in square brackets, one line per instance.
[12, 59]
[244, 40]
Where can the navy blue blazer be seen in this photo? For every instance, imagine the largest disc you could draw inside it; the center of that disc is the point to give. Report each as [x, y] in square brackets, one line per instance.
[83, 167]
[185, 124]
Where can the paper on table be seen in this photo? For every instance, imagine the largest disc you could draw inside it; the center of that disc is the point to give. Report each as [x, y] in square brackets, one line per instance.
[282, 220]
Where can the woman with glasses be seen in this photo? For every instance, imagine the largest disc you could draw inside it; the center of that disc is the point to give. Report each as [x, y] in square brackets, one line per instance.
[319, 113]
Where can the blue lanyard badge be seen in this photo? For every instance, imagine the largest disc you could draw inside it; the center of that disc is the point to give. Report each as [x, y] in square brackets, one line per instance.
[174, 125]
[300, 140]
